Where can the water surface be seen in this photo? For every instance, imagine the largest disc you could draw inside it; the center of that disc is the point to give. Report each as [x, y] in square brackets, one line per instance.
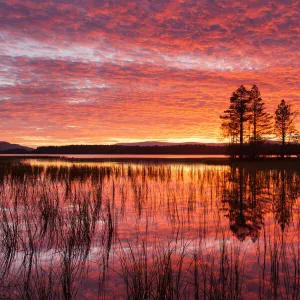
[142, 230]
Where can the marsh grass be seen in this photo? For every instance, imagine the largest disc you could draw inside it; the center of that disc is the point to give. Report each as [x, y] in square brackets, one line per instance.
[179, 231]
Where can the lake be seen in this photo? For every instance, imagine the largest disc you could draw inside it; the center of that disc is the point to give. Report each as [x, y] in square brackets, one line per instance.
[116, 156]
[154, 228]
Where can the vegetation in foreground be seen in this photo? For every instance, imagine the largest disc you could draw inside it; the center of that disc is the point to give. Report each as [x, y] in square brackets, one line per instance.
[149, 231]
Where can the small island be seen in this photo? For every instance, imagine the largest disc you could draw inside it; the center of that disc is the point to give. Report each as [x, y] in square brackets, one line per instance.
[247, 126]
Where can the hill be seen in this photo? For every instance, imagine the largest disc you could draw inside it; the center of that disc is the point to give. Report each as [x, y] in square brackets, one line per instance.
[5, 146]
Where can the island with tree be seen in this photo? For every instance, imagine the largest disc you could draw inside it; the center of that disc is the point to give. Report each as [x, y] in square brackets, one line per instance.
[247, 127]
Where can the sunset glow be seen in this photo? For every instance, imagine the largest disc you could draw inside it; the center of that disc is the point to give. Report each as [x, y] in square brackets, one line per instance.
[103, 72]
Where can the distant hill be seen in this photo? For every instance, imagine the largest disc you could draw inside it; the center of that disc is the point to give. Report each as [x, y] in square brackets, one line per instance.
[5, 146]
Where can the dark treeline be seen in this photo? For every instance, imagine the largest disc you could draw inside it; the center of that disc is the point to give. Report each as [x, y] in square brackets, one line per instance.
[118, 149]
[266, 149]
[261, 150]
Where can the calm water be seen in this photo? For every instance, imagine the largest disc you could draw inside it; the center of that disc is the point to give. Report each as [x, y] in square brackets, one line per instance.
[113, 156]
[113, 230]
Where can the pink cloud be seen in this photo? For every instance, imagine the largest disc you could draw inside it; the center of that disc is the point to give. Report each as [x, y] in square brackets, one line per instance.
[95, 72]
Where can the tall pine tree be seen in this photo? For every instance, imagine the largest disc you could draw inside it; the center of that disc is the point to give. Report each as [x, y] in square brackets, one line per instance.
[235, 118]
[284, 124]
[260, 121]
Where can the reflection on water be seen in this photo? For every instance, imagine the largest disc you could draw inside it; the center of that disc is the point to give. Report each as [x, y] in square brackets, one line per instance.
[121, 156]
[149, 231]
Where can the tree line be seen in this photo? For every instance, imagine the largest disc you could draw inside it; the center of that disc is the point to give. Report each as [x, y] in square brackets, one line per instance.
[120, 149]
[221, 149]
[247, 125]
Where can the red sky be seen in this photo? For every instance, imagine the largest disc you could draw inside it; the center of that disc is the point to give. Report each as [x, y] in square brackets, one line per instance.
[118, 70]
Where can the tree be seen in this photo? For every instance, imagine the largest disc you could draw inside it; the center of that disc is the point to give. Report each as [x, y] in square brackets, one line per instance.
[284, 124]
[230, 128]
[260, 120]
[236, 116]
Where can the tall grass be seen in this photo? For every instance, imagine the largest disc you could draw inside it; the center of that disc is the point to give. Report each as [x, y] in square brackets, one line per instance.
[146, 231]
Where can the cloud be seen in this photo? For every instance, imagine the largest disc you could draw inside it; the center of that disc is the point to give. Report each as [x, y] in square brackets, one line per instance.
[97, 71]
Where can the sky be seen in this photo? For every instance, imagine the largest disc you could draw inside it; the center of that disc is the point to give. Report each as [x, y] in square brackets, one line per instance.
[109, 71]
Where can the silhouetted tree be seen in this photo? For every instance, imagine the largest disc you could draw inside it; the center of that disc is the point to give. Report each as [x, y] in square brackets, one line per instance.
[284, 124]
[260, 120]
[237, 115]
[230, 128]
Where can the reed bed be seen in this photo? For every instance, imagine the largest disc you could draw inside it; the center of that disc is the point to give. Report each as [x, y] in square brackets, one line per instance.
[145, 231]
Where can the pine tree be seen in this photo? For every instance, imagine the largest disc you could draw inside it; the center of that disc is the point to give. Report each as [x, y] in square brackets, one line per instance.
[260, 120]
[236, 116]
[284, 124]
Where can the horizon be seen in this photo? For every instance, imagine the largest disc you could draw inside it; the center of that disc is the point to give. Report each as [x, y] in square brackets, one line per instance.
[143, 144]
[105, 73]
[126, 144]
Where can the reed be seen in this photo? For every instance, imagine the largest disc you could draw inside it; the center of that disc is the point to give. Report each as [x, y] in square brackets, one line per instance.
[148, 231]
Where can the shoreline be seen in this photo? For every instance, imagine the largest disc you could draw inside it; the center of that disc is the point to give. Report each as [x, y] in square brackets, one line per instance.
[273, 162]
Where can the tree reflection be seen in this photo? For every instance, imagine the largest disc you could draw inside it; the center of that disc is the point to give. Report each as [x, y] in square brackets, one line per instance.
[286, 192]
[242, 205]
[250, 193]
